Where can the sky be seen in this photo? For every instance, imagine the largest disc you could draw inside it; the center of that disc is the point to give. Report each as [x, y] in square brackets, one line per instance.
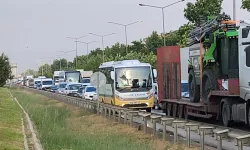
[33, 31]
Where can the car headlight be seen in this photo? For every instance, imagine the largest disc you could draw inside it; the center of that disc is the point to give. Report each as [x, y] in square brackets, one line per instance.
[118, 97]
[150, 95]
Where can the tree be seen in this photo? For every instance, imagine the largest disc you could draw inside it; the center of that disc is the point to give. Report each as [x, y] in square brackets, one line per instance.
[183, 34]
[202, 8]
[55, 66]
[30, 72]
[5, 69]
[246, 4]
[153, 42]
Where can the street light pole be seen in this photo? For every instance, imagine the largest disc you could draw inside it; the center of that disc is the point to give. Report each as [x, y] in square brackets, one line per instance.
[102, 50]
[102, 36]
[125, 27]
[163, 25]
[163, 19]
[65, 52]
[87, 43]
[126, 39]
[234, 10]
[76, 44]
[76, 53]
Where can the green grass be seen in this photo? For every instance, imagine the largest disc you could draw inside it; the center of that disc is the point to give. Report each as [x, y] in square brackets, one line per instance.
[66, 127]
[11, 136]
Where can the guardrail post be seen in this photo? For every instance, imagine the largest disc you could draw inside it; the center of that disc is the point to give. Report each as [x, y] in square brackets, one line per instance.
[114, 113]
[190, 127]
[119, 115]
[203, 131]
[176, 124]
[165, 121]
[125, 116]
[105, 110]
[132, 114]
[101, 109]
[145, 117]
[219, 135]
[109, 109]
[154, 120]
[241, 140]
[98, 107]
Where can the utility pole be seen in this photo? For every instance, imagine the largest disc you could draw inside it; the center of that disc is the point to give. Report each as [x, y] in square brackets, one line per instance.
[234, 10]
[65, 52]
[87, 44]
[76, 40]
[163, 17]
[102, 36]
[125, 26]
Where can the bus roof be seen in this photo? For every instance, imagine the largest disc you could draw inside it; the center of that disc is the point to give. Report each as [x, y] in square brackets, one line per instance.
[124, 63]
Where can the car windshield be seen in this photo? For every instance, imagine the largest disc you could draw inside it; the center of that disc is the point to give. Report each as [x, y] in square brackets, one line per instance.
[74, 86]
[37, 82]
[73, 76]
[56, 78]
[62, 85]
[47, 82]
[90, 89]
[54, 86]
[184, 87]
[133, 79]
[80, 90]
[85, 81]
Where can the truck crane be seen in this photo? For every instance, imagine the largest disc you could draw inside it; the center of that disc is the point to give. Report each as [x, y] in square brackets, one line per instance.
[219, 65]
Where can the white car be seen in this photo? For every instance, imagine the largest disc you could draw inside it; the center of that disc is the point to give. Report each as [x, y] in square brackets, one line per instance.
[89, 92]
[61, 87]
[71, 89]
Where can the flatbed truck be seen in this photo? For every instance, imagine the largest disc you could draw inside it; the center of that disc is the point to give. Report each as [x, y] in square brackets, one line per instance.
[225, 96]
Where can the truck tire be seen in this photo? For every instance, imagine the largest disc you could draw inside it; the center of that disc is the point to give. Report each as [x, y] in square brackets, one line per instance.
[226, 114]
[194, 90]
[209, 83]
[148, 110]
[248, 116]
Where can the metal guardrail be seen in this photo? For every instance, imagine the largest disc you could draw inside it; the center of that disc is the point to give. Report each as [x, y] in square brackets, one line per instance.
[118, 113]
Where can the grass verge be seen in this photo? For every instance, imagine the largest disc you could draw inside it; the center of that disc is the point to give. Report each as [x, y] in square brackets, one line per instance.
[11, 136]
[62, 126]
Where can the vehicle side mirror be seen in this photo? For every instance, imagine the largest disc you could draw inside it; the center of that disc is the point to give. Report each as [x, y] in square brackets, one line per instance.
[112, 75]
[155, 73]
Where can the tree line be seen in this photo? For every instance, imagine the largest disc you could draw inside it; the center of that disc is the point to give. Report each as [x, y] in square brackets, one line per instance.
[143, 49]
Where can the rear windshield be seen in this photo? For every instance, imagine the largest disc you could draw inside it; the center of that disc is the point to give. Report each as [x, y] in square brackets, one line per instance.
[74, 86]
[62, 85]
[47, 82]
[90, 89]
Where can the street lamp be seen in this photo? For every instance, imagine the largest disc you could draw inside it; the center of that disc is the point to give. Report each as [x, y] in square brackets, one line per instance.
[76, 44]
[125, 26]
[87, 43]
[163, 20]
[65, 52]
[102, 36]
[234, 10]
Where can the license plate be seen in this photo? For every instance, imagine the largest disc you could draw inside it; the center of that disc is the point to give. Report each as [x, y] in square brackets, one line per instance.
[134, 103]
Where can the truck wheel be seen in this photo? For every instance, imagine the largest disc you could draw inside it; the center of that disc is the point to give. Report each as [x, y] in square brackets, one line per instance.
[248, 117]
[209, 83]
[148, 110]
[226, 114]
[194, 90]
